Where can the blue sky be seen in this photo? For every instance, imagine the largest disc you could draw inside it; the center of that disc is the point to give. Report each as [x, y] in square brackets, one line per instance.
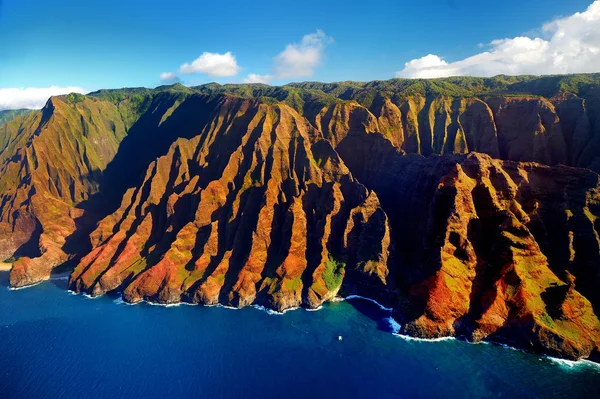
[106, 44]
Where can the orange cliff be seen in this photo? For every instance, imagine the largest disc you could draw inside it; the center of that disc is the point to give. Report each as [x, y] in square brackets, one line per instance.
[263, 212]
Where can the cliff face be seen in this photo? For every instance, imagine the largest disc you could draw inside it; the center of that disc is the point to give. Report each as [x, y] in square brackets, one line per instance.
[523, 128]
[259, 208]
[287, 196]
[489, 249]
[52, 160]
[66, 166]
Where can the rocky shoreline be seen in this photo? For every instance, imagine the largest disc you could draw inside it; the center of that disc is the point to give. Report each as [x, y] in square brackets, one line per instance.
[564, 361]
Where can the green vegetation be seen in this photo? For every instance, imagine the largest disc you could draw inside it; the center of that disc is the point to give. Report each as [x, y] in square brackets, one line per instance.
[9, 115]
[268, 100]
[193, 277]
[292, 284]
[75, 98]
[546, 86]
[137, 267]
[334, 273]
[309, 98]
[179, 256]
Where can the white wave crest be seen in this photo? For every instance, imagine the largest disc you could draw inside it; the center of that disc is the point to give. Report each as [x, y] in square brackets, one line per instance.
[409, 338]
[370, 300]
[395, 326]
[272, 311]
[24, 287]
[315, 309]
[59, 278]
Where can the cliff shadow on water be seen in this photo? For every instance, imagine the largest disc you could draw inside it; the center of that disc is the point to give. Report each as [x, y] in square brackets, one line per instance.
[4, 280]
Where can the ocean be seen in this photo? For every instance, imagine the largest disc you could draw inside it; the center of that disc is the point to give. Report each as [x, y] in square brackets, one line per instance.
[54, 344]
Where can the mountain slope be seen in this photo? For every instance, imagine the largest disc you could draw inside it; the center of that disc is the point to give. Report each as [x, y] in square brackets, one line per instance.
[8, 115]
[53, 160]
[258, 208]
[551, 120]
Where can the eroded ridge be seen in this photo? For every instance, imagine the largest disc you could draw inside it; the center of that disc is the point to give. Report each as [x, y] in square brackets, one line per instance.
[258, 208]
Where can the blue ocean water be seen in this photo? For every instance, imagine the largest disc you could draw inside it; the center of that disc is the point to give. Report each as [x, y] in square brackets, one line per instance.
[57, 345]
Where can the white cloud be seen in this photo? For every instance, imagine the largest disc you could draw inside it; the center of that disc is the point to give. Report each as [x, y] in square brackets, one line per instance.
[212, 64]
[32, 98]
[427, 66]
[572, 46]
[298, 60]
[169, 78]
[255, 78]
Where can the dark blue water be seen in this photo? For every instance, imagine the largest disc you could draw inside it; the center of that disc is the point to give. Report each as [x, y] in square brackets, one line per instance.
[54, 344]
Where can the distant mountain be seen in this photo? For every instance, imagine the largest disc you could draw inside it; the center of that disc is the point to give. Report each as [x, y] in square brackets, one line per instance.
[468, 205]
[8, 115]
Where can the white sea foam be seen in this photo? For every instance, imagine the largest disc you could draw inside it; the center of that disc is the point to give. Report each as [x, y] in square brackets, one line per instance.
[563, 362]
[120, 301]
[272, 311]
[370, 300]
[409, 338]
[166, 305]
[59, 278]
[315, 309]
[267, 310]
[506, 346]
[88, 296]
[573, 363]
[395, 326]
[22, 288]
[589, 363]
[227, 307]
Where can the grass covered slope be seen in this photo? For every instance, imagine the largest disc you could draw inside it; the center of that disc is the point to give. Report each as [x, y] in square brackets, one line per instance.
[8, 115]
[285, 196]
[53, 160]
[551, 119]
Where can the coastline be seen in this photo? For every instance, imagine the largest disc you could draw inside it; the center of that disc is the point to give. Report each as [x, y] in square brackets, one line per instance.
[393, 323]
[5, 267]
[395, 326]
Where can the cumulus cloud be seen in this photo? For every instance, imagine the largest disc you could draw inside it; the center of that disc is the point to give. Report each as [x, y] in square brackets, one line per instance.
[169, 78]
[32, 98]
[212, 64]
[300, 60]
[571, 45]
[297, 60]
[255, 78]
